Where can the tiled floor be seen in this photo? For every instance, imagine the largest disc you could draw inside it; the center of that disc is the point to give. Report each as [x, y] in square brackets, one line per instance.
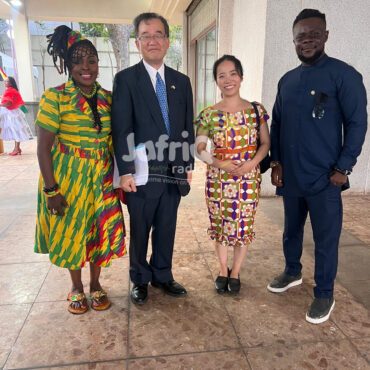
[254, 330]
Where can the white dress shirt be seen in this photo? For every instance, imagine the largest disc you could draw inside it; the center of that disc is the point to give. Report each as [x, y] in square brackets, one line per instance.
[153, 73]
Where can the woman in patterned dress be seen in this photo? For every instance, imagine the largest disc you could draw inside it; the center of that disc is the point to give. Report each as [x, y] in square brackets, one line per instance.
[233, 174]
[79, 216]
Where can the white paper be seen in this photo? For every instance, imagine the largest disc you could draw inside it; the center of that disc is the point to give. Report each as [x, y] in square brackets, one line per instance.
[141, 168]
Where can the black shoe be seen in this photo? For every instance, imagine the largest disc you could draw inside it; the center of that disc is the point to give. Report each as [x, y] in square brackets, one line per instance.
[283, 282]
[221, 284]
[320, 310]
[233, 285]
[171, 288]
[139, 293]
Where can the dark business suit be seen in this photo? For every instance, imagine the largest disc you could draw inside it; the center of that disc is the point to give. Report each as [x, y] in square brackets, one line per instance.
[136, 114]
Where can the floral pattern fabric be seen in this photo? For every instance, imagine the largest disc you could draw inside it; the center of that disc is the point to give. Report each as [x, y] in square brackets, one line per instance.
[232, 200]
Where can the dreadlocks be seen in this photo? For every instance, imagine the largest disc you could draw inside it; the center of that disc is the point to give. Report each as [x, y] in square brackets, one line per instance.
[69, 46]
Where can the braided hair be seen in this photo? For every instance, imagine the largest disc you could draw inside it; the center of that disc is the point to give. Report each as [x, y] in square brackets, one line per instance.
[69, 47]
[58, 47]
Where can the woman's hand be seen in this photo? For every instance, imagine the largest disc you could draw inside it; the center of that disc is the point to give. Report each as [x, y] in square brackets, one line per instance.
[244, 168]
[228, 166]
[56, 205]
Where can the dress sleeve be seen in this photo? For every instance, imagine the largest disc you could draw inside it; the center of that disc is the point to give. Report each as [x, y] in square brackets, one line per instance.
[48, 116]
[264, 117]
[203, 123]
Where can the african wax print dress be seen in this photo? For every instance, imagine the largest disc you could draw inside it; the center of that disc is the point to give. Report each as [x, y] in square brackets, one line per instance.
[232, 200]
[92, 228]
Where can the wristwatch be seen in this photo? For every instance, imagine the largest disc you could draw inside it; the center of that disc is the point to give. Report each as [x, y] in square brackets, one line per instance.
[343, 172]
[274, 164]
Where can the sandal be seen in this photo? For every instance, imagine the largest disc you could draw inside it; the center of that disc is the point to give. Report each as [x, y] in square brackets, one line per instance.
[80, 298]
[96, 300]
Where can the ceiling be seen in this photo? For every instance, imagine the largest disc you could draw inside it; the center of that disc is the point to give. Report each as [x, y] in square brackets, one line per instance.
[96, 11]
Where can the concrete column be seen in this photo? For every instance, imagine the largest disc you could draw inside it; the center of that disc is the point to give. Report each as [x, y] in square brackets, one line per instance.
[248, 44]
[225, 25]
[23, 54]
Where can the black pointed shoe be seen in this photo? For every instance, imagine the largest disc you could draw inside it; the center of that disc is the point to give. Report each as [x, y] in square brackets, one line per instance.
[171, 288]
[139, 293]
[233, 286]
[221, 284]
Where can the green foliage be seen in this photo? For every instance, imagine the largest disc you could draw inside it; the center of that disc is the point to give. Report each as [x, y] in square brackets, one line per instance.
[93, 29]
[175, 33]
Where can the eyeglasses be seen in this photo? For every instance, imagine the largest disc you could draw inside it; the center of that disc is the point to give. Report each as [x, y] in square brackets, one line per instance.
[152, 38]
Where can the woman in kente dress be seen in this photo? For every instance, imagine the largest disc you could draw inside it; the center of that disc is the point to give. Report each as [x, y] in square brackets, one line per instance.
[233, 175]
[79, 216]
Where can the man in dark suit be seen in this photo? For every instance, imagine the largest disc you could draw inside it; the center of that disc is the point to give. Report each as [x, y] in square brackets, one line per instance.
[153, 105]
[319, 123]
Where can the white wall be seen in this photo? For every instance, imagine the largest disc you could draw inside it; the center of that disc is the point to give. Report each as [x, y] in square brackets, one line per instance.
[249, 19]
[349, 29]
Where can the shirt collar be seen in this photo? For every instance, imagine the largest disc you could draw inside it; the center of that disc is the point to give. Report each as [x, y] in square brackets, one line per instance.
[321, 62]
[153, 72]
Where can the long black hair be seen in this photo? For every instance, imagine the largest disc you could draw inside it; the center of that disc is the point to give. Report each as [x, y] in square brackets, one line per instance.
[12, 82]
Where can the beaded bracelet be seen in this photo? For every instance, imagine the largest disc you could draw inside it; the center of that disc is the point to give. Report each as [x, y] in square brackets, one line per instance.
[51, 192]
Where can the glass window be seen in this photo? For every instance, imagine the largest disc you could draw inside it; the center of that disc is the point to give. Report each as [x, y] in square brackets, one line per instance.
[205, 86]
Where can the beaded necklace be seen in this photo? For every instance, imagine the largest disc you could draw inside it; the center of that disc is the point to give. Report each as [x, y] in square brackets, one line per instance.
[88, 96]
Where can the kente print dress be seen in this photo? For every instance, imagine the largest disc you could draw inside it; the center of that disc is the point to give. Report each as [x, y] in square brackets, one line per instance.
[232, 200]
[92, 229]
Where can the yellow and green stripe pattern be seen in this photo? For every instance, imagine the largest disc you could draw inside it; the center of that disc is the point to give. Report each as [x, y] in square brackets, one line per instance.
[92, 229]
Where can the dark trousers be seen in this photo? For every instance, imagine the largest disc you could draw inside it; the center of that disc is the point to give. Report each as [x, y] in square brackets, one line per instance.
[158, 215]
[326, 214]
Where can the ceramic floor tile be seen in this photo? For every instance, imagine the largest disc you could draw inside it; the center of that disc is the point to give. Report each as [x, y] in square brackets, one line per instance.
[350, 315]
[64, 338]
[19, 249]
[119, 365]
[114, 280]
[186, 245]
[228, 360]
[191, 270]
[363, 346]
[262, 318]
[12, 320]
[354, 262]
[321, 355]
[4, 354]
[20, 283]
[168, 325]
[207, 246]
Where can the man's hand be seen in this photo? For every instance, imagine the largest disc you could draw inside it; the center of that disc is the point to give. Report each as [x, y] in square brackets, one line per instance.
[338, 179]
[127, 183]
[277, 176]
[189, 176]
